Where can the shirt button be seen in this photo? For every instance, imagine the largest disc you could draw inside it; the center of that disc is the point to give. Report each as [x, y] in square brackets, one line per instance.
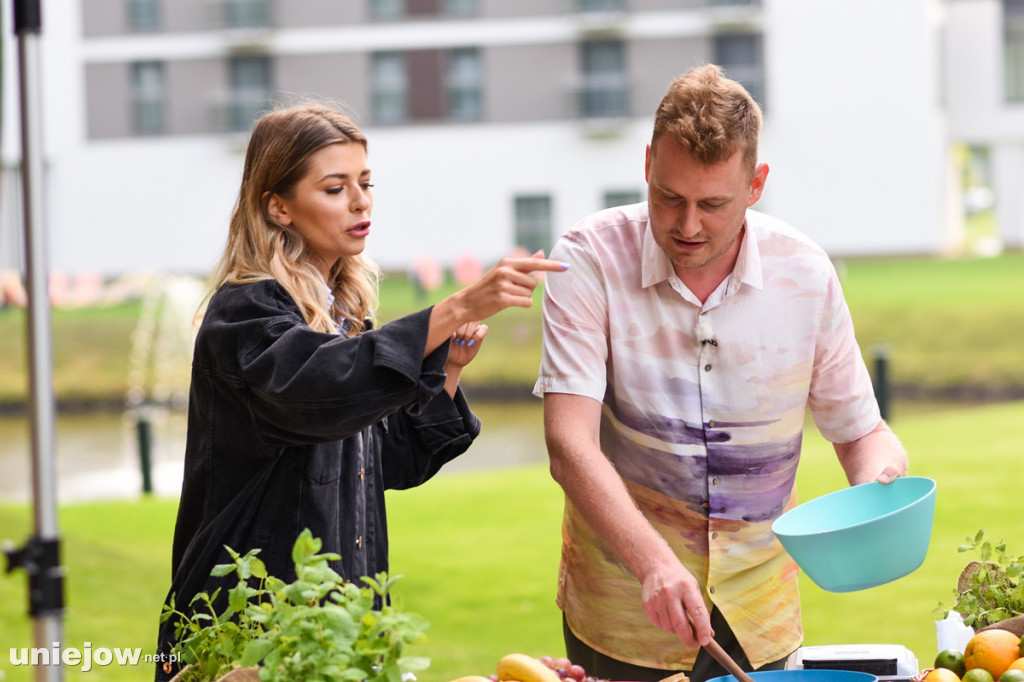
[707, 367]
[711, 589]
[716, 480]
[711, 424]
[359, 542]
[714, 536]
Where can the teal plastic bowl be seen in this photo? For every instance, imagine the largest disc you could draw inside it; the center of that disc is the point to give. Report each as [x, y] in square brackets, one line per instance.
[862, 536]
[804, 676]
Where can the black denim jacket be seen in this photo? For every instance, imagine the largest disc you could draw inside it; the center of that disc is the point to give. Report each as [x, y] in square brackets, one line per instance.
[289, 428]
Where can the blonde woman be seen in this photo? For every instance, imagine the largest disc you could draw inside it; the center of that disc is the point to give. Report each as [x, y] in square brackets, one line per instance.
[301, 413]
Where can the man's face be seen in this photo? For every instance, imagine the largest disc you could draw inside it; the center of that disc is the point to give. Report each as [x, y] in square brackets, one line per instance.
[697, 211]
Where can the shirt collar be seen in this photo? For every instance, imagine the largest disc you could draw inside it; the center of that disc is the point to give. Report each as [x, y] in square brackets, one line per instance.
[656, 267]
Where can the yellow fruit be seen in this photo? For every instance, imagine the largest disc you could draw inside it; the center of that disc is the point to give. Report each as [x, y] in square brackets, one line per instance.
[525, 669]
[941, 675]
[1018, 664]
[977, 675]
[951, 659]
[992, 650]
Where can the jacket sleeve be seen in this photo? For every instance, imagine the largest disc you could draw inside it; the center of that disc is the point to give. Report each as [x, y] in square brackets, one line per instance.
[304, 386]
[417, 446]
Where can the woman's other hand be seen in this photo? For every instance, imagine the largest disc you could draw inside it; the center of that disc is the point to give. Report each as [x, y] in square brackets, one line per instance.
[465, 344]
[463, 347]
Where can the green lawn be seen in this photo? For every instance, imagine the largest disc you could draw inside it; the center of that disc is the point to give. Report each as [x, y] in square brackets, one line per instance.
[945, 322]
[479, 554]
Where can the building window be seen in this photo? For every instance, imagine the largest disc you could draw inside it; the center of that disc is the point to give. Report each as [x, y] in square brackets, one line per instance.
[387, 9]
[427, 85]
[397, 9]
[533, 222]
[464, 78]
[246, 13]
[600, 5]
[148, 97]
[390, 81]
[621, 197]
[250, 90]
[1013, 17]
[144, 15]
[461, 8]
[603, 92]
[741, 56]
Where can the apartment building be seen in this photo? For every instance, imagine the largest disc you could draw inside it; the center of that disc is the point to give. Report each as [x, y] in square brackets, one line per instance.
[493, 124]
[984, 62]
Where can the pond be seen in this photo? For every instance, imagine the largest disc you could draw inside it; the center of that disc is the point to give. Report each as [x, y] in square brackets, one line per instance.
[98, 454]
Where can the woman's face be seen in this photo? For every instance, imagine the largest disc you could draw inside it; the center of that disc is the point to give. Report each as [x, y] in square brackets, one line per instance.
[330, 206]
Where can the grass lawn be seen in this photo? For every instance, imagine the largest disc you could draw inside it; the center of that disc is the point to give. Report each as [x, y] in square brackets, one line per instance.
[945, 322]
[479, 553]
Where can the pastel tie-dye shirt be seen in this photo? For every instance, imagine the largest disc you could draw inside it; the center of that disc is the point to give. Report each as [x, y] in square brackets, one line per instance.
[703, 412]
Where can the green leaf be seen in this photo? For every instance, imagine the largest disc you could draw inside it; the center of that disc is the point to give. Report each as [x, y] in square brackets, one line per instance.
[305, 547]
[238, 597]
[258, 568]
[255, 651]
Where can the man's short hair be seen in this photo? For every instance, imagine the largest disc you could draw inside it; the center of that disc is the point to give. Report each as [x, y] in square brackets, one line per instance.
[709, 115]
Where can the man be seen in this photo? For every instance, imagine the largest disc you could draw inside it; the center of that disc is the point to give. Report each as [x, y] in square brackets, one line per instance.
[680, 355]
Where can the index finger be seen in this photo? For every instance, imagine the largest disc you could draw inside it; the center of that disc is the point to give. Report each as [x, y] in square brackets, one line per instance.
[698, 623]
[535, 264]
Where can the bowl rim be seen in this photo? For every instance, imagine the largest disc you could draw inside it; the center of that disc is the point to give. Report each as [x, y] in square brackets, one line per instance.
[845, 491]
[848, 675]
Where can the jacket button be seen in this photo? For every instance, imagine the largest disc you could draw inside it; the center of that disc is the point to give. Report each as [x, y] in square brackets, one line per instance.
[359, 542]
[362, 474]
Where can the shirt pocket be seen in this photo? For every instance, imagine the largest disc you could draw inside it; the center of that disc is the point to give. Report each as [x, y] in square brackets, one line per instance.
[324, 463]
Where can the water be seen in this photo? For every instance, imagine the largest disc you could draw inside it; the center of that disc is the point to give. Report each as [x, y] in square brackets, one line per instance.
[98, 454]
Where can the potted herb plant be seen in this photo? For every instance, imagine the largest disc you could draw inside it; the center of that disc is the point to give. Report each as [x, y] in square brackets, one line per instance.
[319, 627]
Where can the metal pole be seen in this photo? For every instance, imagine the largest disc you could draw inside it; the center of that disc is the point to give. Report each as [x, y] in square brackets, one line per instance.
[41, 556]
[144, 434]
[883, 391]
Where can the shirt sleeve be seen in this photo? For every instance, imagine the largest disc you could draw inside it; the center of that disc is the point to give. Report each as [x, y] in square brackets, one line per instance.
[575, 326]
[417, 446]
[842, 400]
[304, 386]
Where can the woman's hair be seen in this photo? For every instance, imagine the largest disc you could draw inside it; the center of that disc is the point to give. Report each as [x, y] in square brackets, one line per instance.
[260, 248]
[710, 116]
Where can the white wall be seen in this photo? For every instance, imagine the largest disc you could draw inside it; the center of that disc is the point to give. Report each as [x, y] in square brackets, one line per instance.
[445, 191]
[854, 134]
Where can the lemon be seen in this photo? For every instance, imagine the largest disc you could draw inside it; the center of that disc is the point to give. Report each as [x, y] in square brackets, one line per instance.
[977, 675]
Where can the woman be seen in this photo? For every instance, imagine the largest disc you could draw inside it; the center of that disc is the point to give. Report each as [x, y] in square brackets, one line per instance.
[301, 414]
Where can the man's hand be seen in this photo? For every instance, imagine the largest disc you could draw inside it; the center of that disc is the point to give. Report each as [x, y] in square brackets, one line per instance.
[672, 602]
